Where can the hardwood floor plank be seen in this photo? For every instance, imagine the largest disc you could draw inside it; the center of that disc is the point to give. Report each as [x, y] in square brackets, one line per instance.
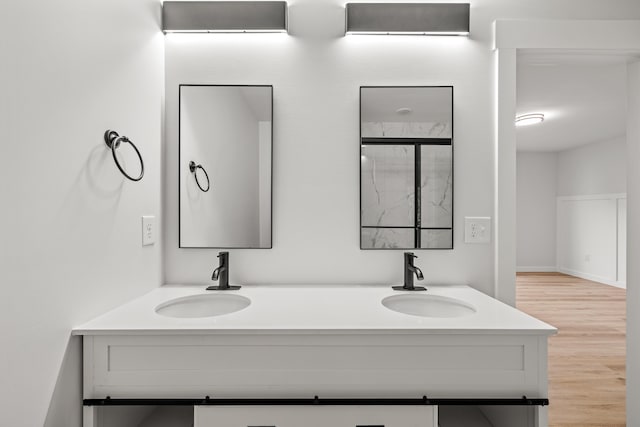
[587, 357]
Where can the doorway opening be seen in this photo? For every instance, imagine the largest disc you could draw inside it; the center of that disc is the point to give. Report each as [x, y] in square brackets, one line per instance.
[571, 225]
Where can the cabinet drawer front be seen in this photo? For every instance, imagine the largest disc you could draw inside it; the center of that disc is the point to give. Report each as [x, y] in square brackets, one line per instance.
[315, 416]
[328, 366]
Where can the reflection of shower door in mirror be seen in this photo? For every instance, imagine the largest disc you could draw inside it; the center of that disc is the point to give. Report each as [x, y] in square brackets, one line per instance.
[406, 167]
[406, 193]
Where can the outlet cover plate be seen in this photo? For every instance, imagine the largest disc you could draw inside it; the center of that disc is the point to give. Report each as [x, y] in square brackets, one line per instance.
[148, 230]
[477, 229]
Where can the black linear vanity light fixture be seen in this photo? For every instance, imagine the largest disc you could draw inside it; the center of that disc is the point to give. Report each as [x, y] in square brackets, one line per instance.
[224, 17]
[439, 19]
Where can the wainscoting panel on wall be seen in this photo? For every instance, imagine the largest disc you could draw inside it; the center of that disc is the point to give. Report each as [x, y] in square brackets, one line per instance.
[590, 234]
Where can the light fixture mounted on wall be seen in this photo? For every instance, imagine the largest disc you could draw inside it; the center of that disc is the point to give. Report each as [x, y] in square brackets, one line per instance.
[441, 19]
[224, 17]
[529, 119]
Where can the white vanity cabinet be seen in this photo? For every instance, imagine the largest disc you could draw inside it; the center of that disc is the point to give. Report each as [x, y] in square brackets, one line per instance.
[338, 343]
[304, 365]
[315, 416]
[329, 365]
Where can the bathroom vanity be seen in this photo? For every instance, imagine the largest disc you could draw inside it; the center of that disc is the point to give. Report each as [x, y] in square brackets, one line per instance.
[332, 355]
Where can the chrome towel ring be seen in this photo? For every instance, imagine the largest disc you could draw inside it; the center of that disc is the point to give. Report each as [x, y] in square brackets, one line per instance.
[194, 169]
[113, 140]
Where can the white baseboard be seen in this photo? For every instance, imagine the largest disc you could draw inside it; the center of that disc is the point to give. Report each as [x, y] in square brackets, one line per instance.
[592, 277]
[537, 269]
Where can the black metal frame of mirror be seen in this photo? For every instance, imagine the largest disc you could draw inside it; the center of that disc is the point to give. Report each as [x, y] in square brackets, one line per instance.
[180, 169]
[417, 142]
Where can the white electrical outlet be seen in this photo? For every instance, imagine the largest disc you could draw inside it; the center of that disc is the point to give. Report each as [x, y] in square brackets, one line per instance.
[477, 229]
[148, 230]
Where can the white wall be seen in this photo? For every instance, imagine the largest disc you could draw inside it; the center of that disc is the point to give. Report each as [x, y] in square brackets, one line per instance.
[588, 237]
[536, 211]
[592, 237]
[220, 131]
[316, 73]
[71, 227]
[591, 205]
[590, 182]
[598, 168]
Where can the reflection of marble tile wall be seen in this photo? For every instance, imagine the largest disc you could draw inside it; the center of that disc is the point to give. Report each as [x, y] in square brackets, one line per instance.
[436, 239]
[387, 238]
[387, 185]
[406, 129]
[387, 192]
[436, 182]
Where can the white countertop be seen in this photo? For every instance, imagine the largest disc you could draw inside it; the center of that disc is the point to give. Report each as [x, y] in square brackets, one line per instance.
[342, 309]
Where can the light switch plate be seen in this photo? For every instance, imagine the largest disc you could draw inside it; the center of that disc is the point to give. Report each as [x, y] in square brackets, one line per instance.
[477, 229]
[148, 230]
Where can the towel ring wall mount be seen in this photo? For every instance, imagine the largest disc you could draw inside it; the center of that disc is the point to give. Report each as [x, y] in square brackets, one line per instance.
[113, 141]
[194, 169]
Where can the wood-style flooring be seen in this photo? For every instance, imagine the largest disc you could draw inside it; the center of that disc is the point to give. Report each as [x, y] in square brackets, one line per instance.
[587, 357]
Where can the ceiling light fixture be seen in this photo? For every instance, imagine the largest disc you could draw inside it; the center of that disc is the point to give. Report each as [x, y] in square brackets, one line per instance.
[529, 119]
[404, 111]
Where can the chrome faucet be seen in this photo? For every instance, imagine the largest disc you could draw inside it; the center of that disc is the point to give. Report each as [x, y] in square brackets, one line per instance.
[222, 273]
[409, 271]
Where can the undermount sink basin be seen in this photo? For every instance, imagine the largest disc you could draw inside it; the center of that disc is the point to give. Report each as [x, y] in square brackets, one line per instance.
[428, 305]
[203, 305]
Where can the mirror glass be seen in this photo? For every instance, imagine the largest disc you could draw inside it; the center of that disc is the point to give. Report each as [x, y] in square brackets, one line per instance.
[225, 166]
[406, 167]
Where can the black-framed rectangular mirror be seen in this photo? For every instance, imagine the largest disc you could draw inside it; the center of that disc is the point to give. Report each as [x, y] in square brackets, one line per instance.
[225, 166]
[406, 167]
